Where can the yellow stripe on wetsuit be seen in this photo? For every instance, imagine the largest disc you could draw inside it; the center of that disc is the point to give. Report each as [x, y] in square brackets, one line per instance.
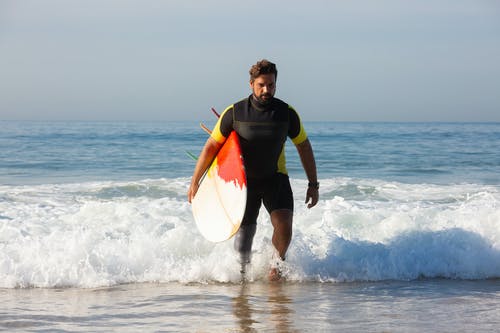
[216, 133]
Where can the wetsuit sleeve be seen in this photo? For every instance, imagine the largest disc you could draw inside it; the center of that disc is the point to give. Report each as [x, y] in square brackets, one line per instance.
[296, 131]
[224, 125]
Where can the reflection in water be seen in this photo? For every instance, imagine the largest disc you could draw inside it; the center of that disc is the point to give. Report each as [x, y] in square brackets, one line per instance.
[281, 310]
[242, 310]
[268, 303]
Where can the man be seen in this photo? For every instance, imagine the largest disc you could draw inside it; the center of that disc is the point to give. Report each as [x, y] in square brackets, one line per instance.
[263, 124]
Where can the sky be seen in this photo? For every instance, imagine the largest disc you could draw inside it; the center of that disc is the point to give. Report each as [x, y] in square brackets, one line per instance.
[351, 60]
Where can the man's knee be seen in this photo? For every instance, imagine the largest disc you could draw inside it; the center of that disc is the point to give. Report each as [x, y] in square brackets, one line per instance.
[282, 219]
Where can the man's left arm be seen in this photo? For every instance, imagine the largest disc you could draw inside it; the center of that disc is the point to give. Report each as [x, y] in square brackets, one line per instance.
[309, 164]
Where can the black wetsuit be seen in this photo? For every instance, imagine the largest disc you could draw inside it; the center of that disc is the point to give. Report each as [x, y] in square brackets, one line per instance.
[263, 130]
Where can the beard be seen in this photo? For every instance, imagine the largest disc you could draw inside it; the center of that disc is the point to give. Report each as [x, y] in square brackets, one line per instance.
[264, 98]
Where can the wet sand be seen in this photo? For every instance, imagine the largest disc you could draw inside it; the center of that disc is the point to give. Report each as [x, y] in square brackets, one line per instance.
[394, 306]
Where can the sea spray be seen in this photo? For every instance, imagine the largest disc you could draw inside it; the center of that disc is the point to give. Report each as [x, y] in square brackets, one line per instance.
[106, 233]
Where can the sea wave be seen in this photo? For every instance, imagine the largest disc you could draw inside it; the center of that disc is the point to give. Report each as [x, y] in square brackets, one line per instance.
[97, 234]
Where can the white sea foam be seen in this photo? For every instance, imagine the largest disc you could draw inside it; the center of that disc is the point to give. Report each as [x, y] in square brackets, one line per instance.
[106, 233]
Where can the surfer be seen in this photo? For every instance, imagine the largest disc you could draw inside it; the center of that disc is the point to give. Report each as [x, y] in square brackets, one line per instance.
[263, 124]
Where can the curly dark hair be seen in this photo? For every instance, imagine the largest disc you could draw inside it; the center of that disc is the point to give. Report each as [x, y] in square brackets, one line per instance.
[263, 66]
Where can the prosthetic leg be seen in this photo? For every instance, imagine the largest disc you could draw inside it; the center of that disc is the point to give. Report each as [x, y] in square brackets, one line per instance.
[243, 244]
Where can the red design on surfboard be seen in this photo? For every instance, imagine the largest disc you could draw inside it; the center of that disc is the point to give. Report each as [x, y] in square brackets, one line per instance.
[228, 160]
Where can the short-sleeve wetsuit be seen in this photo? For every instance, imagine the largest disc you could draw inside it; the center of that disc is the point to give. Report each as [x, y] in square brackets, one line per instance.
[263, 130]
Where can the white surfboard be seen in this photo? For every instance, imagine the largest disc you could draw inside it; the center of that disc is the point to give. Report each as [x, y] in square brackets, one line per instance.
[219, 204]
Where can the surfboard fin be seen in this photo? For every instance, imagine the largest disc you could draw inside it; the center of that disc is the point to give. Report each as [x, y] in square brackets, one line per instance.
[215, 112]
[205, 128]
[193, 156]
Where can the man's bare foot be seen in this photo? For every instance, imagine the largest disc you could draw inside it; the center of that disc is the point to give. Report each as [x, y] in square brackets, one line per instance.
[275, 274]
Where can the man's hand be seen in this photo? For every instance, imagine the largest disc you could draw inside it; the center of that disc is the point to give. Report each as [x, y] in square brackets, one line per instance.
[307, 158]
[193, 188]
[312, 196]
[206, 157]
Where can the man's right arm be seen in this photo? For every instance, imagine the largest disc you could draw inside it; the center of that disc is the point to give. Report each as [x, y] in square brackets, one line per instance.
[221, 131]
[206, 157]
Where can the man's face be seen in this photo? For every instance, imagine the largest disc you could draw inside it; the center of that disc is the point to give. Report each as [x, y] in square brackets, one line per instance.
[264, 87]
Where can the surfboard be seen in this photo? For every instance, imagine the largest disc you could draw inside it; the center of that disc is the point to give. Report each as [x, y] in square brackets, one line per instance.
[219, 204]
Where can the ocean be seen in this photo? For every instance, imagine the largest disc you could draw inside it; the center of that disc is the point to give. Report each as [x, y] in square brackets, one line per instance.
[96, 233]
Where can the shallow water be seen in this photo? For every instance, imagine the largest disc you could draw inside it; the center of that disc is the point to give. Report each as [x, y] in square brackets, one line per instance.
[390, 306]
[100, 234]
[96, 234]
